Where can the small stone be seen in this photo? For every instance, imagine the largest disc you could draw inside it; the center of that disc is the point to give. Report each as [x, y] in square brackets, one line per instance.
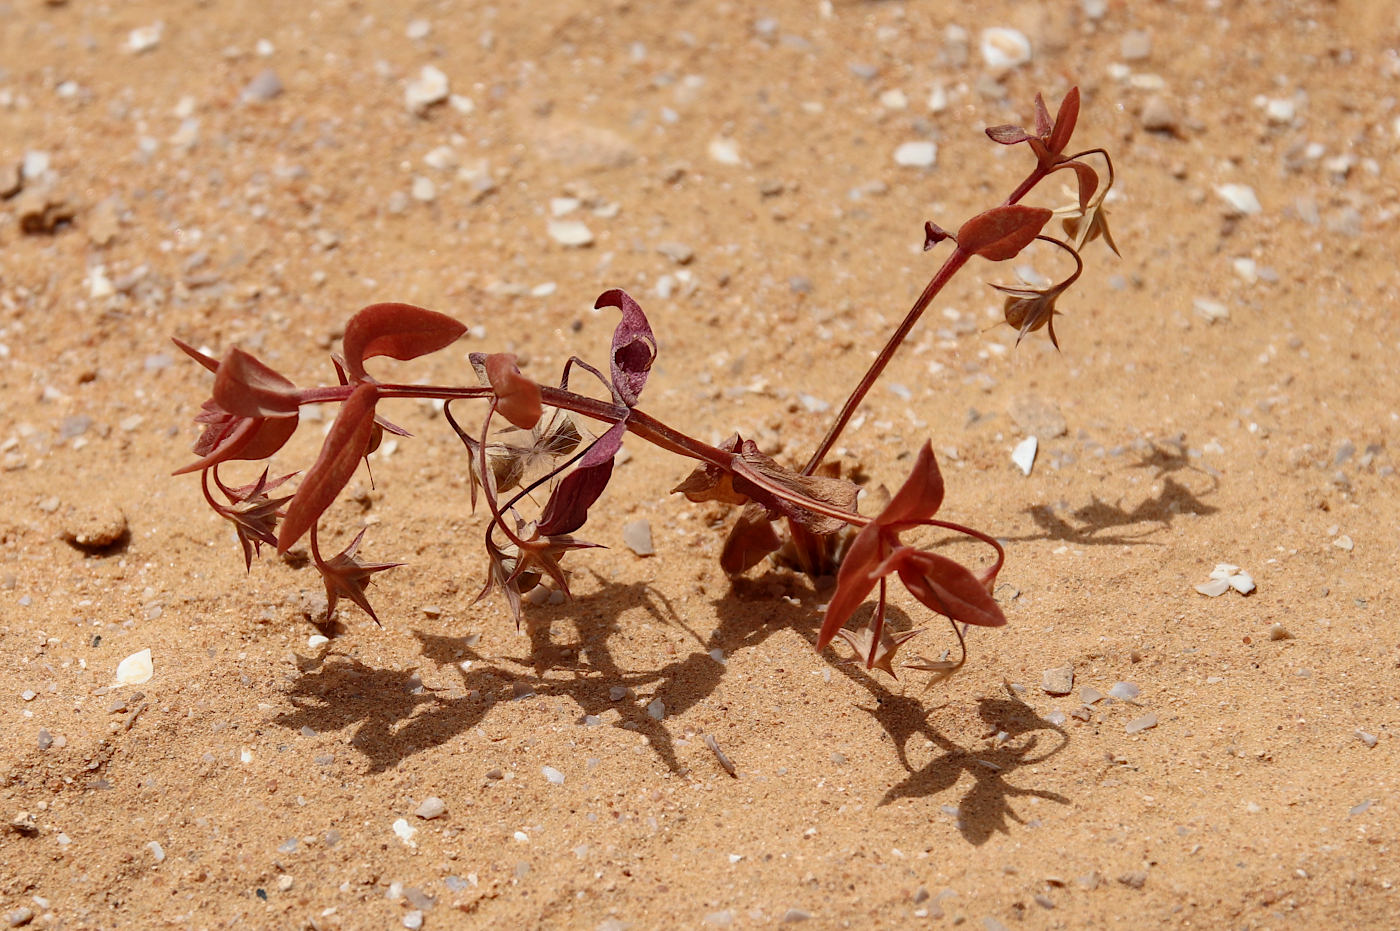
[19, 917]
[431, 807]
[317, 640]
[1344, 543]
[1023, 456]
[572, 233]
[1158, 116]
[637, 535]
[1136, 45]
[1210, 310]
[1003, 49]
[423, 190]
[1057, 681]
[264, 87]
[1134, 880]
[657, 709]
[427, 90]
[94, 527]
[1279, 632]
[618, 692]
[677, 252]
[1148, 720]
[45, 739]
[725, 151]
[794, 915]
[1124, 691]
[136, 669]
[1240, 198]
[553, 775]
[144, 38]
[413, 920]
[405, 831]
[918, 154]
[721, 919]
[1366, 738]
[418, 29]
[1089, 695]
[28, 695]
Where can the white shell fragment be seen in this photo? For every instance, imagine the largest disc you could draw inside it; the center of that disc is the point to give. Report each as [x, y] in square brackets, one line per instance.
[136, 669]
[1240, 197]
[918, 154]
[725, 151]
[144, 38]
[1225, 577]
[405, 831]
[426, 90]
[553, 775]
[570, 233]
[1024, 454]
[1004, 49]
[1142, 723]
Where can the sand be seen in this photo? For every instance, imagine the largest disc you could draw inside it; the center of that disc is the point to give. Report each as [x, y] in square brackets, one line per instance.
[250, 174]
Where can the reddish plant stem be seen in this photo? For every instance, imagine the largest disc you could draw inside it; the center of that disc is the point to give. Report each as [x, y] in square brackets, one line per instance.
[944, 274]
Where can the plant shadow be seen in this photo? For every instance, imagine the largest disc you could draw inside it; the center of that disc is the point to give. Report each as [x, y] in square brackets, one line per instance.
[1100, 523]
[395, 716]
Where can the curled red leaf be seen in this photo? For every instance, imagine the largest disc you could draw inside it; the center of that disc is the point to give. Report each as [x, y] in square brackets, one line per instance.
[246, 387]
[399, 331]
[633, 346]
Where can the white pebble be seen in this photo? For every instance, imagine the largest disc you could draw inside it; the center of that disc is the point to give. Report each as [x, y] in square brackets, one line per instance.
[28, 695]
[894, 99]
[1124, 691]
[34, 165]
[1214, 588]
[1240, 197]
[136, 669]
[1141, 724]
[157, 851]
[144, 38]
[919, 154]
[637, 535]
[1024, 454]
[413, 920]
[432, 807]
[725, 151]
[99, 285]
[1004, 49]
[405, 831]
[317, 640]
[553, 775]
[418, 29]
[443, 158]
[429, 88]
[1280, 110]
[1343, 543]
[1211, 311]
[1368, 739]
[423, 190]
[573, 233]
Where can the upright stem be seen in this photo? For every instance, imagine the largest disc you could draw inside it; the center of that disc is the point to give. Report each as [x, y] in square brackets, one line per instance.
[950, 267]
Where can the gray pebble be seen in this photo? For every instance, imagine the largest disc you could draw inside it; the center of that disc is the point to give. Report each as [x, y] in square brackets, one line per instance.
[1158, 116]
[19, 917]
[265, 86]
[637, 535]
[432, 807]
[1057, 681]
[677, 252]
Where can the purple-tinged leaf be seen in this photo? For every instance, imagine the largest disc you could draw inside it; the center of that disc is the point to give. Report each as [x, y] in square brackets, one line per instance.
[1006, 134]
[399, 331]
[934, 234]
[567, 508]
[1043, 126]
[1002, 232]
[944, 586]
[246, 387]
[633, 345]
[921, 495]
[340, 454]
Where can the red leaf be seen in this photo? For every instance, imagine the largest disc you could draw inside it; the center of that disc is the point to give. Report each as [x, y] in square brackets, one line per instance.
[517, 397]
[340, 455]
[946, 587]
[853, 582]
[1043, 126]
[208, 362]
[246, 387]
[399, 331]
[921, 495]
[1065, 121]
[567, 508]
[1002, 232]
[1088, 181]
[633, 345]
[1006, 134]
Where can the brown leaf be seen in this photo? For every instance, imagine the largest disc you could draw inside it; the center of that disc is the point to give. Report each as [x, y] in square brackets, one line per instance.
[1002, 232]
[399, 331]
[340, 454]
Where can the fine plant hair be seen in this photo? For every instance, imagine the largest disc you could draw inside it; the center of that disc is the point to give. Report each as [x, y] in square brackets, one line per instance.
[561, 444]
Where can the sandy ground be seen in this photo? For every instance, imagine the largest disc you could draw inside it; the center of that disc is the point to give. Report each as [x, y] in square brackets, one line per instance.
[252, 173]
